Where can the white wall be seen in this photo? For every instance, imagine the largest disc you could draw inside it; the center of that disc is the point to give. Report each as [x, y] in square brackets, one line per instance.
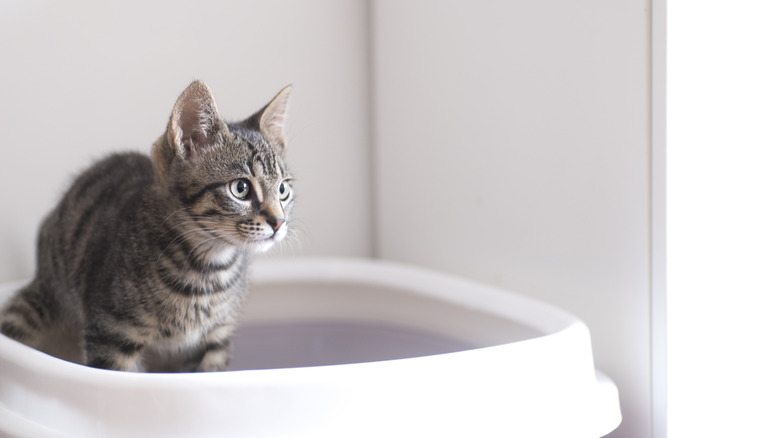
[513, 147]
[80, 79]
[724, 219]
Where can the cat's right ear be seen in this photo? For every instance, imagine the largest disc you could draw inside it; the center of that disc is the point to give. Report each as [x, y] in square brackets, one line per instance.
[195, 124]
[269, 121]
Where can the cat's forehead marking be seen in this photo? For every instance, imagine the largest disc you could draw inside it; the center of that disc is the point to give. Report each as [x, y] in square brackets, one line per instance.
[244, 168]
[267, 159]
[265, 162]
[261, 158]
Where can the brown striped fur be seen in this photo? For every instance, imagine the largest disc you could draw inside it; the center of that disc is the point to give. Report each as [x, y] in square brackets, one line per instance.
[142, 265]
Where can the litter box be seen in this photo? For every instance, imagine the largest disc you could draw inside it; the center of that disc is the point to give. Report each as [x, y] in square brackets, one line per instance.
[341, 348]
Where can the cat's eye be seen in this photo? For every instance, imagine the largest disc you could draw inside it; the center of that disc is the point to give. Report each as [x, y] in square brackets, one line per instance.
[285, 190]
[240, 188]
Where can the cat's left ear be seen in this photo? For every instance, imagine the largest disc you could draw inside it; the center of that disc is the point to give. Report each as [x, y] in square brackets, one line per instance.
[270, 120]
[195, 122]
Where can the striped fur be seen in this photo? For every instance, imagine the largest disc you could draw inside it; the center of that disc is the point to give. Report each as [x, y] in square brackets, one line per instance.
[142, 265]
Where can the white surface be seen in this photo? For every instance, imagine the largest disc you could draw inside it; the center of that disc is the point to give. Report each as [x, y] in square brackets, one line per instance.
[531, 375]
[513, 147]
[724, 219]
[658, 299]
[522, 122]
[85, 78]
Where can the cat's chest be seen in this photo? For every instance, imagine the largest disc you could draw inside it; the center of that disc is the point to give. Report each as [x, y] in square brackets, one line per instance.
[199, 303]
[195, 297]
[188, 320]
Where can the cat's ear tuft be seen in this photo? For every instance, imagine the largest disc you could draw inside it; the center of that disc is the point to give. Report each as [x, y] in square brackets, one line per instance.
[195, 123]
[270, 120]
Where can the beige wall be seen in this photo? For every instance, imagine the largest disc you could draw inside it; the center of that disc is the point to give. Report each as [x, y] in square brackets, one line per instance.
[513, 147]
[82, 79]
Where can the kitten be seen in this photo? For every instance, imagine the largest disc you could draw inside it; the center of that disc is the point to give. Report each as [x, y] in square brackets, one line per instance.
[142, 265]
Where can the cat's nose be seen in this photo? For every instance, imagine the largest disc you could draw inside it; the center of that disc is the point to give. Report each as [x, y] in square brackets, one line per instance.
[275, 222]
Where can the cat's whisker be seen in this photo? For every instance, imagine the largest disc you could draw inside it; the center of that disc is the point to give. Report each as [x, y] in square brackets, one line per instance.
[291, 242]
[178, 239]
[194, 248]
[171, 215]
[175, 228]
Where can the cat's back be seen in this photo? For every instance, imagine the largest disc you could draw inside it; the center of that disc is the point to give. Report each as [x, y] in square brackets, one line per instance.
[108, 184]
[101, 201]
[111, 187]
[110, 175]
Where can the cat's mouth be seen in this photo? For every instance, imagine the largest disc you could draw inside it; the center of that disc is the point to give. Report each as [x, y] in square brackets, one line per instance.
[260, 241]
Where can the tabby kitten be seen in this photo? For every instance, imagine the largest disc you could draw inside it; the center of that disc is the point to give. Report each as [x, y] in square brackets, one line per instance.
[142, 265]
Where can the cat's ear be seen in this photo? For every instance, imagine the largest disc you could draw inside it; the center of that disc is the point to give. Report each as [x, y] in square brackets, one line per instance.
[195, 123]
[270, 120]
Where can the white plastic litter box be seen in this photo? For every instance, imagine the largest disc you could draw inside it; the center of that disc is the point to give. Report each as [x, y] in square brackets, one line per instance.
[340, 348]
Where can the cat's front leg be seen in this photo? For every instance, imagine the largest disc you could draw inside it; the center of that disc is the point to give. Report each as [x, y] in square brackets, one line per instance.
[108, 347]
[214, 352]
[26, 317]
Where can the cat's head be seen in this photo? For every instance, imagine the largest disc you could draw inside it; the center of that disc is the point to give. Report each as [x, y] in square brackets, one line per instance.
[229, 178]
